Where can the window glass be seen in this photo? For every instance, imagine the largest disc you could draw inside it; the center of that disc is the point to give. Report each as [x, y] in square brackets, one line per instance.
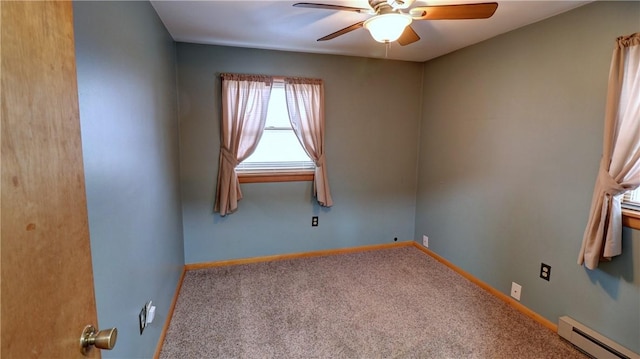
[279, 148]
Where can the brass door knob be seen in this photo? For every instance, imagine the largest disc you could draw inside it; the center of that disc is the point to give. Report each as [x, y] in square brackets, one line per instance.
[103, 339]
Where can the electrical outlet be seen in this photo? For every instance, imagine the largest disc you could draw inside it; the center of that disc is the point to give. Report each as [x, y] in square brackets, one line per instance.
[516, 289]
[425, 241]
[314, 221]
[545, 271]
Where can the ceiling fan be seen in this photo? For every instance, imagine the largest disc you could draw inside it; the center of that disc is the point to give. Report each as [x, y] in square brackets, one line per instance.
[390, 23]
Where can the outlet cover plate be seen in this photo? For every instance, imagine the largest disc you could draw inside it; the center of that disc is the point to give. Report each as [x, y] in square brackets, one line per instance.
[545, 271]
[516, 289]
[425, 241]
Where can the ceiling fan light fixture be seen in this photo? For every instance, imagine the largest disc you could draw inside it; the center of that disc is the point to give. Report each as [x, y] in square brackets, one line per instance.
[387, 27]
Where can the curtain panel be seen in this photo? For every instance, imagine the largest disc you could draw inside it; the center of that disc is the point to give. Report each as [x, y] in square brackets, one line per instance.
[245, 100]
[305, 103]
[620, 164]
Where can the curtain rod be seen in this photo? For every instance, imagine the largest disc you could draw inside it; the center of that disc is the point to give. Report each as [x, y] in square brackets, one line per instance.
[274, 77]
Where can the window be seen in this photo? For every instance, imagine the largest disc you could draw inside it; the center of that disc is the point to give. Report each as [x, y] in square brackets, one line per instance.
[245, 106]
[619, 163]
[632, 199]
[631, 209]
[279, 155]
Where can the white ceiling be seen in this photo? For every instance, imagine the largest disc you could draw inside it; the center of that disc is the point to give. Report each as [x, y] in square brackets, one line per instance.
[277, 25]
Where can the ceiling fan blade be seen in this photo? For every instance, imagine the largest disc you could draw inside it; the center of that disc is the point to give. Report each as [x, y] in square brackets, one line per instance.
[454, 12]
[347, 29]
[408, 36]
[332, 7]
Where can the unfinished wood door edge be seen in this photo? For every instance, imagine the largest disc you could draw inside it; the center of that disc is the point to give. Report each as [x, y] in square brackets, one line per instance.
[498, 294]
[167, 321]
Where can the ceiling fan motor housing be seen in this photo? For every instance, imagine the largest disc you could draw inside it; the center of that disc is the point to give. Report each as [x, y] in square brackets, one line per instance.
[382, 6]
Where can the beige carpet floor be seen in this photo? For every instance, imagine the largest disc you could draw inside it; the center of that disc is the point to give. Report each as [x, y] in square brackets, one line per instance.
[389, 303]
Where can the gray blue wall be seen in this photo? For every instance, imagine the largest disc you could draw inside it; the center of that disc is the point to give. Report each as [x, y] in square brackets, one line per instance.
[128, 110]
[372, 115]
[511, 137]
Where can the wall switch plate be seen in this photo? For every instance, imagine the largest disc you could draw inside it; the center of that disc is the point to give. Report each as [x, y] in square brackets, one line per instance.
[314, 221]
[425, 241]
[516, 289]
[545, 271]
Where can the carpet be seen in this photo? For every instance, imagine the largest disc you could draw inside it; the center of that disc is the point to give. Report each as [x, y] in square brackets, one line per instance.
[388, 303]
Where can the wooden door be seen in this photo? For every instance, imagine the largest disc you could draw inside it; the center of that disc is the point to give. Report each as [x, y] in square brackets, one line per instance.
[47, 278]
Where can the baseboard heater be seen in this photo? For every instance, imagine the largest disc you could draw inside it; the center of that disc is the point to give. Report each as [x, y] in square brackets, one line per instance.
[591, 342]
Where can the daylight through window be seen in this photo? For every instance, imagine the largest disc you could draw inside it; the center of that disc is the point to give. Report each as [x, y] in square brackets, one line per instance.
[279, 149]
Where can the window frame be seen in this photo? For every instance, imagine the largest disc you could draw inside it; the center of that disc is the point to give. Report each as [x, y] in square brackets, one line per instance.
[275, 175]
[631, 214]
[631, 218]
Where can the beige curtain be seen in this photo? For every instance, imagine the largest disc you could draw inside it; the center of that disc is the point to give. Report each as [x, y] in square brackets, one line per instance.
[245, 99]
[620, 164]
[305, 102]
